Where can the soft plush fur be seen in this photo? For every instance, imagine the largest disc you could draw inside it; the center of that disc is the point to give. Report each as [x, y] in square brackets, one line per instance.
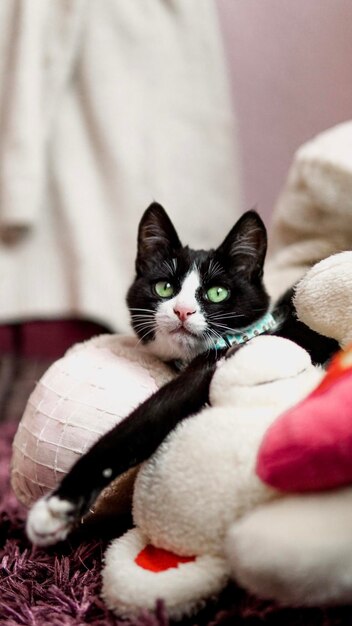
[297, 550]
[313, 216]
[202, 479]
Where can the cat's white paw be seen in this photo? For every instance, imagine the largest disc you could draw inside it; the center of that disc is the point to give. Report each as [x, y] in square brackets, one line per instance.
[49, 521]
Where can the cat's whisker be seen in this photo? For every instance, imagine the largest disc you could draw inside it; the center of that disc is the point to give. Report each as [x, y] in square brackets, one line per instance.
[224, 328]
[144, 336]
[139, 320]
[142, 317]
[146, 316]
[209, 344]
[213, 336]
[143, 329]
[212, 331]
[220, 324]
[224, 323]
[144, 325]
[225, 319]
[208, 341]
[224, 315]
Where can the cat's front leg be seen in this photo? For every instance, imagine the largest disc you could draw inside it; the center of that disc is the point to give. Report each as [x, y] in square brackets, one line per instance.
[129, 443]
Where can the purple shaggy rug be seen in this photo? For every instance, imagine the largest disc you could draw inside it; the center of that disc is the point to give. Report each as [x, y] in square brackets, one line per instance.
[60, 586]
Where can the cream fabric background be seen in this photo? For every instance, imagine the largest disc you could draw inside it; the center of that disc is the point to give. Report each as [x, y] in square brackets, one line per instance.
[105, 106]
[313, 216]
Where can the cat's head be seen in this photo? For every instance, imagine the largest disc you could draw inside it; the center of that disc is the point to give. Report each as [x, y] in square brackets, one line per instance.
[182, 300]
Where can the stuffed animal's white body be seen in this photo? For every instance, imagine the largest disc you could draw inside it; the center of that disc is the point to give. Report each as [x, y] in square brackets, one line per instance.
[202, 479]
[298, 550]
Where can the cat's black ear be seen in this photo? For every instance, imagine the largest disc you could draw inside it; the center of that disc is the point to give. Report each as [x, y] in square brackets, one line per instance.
[157, 237]
[246, 245]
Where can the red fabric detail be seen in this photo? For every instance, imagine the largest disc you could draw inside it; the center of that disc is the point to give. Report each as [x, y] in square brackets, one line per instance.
[158, 560]
[310, 446]
[46, 338]
[51, 338]
[340, 366]
[7, 339]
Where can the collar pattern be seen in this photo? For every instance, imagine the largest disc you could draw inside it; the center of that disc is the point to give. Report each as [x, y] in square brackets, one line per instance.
[265, 324]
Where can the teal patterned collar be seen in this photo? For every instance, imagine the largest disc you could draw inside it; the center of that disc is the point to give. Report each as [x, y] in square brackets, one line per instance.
[263, 325]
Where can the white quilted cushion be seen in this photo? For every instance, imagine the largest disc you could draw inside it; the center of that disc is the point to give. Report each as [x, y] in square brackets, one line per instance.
[80, 397]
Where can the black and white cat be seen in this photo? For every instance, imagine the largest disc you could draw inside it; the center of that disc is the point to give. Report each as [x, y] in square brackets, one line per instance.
[183, 301]
[188, 306]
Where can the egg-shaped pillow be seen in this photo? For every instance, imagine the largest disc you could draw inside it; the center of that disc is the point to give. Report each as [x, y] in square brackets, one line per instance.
[80, 397]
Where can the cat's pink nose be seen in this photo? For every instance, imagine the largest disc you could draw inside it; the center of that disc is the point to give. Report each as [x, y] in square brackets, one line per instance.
[183, 312]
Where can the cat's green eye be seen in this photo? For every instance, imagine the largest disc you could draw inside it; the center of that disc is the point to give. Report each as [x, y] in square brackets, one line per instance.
[164, 289]
[217, 294]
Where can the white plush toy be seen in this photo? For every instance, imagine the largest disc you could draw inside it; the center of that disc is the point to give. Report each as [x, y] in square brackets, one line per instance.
[201, 480]
[313, 216]
[201, 512]
[298, 549]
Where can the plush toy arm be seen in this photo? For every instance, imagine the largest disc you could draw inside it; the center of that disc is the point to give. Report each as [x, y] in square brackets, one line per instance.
[320, 348]
[129, 443]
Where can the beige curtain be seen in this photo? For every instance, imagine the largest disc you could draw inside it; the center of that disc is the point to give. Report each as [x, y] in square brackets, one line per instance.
[106, 105]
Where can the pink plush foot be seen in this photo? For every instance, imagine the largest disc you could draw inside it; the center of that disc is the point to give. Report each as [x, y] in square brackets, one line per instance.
[310, 446]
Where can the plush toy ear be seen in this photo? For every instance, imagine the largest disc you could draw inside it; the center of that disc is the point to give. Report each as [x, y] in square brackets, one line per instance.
[157, 237]
[137, 574]
[246, 245]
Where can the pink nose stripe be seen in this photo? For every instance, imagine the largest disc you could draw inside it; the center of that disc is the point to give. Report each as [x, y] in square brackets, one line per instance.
[183, 312]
